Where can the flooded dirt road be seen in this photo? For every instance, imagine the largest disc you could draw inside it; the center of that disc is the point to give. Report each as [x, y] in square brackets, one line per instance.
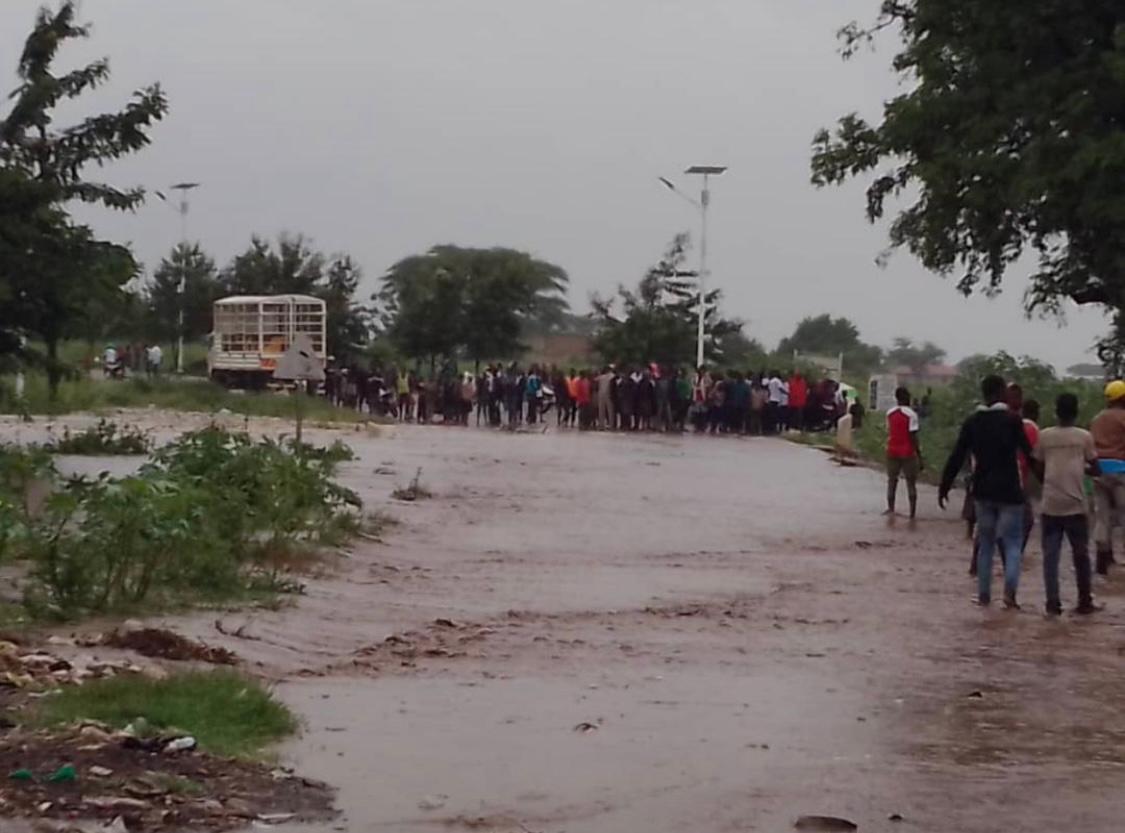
[604, 634]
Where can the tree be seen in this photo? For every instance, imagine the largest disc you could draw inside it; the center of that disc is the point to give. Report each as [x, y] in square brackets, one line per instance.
[51, 268]
[1010, 136]
[294, 267]
[827, 336]
[350, 325]
[658, 321]
[191, 265]
[905, 353]
[477, 300]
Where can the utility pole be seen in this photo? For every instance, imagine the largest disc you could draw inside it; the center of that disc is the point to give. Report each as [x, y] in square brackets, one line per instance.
[182, 209]
[706, 171]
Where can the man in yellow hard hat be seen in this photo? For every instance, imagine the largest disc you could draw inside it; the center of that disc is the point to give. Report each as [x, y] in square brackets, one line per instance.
[1108, 429]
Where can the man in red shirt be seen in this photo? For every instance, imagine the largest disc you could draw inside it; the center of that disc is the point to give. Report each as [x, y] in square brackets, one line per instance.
[904, 453]
[798, 400]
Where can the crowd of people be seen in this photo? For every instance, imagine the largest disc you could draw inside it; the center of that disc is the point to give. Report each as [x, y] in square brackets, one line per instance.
[1065, 475]
[646, 398]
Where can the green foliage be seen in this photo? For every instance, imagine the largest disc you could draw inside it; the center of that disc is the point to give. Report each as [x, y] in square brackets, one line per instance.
[190, 265]
[295, 267]
[659, 321]
[105, 438]
[824, 335]
[214, 515]
[951, 405]
[227, 713]
[454, 299]
[56, 279]
[192, 395]
[1008, 136]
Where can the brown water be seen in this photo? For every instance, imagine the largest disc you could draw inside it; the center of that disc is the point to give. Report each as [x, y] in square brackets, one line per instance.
[746, 638]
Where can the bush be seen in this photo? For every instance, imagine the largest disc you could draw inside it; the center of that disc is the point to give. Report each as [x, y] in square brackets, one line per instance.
[105, 438]
[215, 515]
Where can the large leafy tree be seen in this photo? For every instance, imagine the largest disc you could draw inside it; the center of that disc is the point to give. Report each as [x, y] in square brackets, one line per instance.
[657, 321]
[187, 265]
[50, 267]
[824, 335]
[478, 301]
[1009, 136]
[293, 266]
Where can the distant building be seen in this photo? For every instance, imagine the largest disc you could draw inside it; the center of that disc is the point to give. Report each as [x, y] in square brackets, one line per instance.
[562, 349]
[930, 376]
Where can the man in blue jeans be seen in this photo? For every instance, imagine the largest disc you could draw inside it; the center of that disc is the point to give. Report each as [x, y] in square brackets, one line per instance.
[994, 436]
[1063, 458]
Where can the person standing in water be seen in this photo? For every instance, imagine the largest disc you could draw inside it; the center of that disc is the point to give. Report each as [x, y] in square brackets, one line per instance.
[994, 436]
[904, 451]
[1108, 430]
[1062, 459]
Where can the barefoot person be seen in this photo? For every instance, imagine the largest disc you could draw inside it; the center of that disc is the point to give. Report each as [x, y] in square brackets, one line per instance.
[994, 436]
[1062, 459]
[904, 452]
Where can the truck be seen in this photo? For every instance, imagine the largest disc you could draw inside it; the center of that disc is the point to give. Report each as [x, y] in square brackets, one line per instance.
[251, 332]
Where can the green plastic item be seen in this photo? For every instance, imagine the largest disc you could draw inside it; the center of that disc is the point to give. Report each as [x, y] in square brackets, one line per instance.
[64, 775]
[21, 775]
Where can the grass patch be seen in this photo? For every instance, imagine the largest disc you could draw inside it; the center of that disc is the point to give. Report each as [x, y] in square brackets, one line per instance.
[175, 394]
[227, 713]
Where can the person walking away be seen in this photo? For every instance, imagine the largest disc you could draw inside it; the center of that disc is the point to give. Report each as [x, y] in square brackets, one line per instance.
[1108, 430]
[739, 405]
[994, 437]
[799, 400]
[904, 451]
[560, 383]
[583, 399]
[606, 413]
[1062, 459]
[1029, 413]
[716, 402]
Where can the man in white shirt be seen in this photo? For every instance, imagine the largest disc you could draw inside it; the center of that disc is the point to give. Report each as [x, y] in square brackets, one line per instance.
[773, 405]
[155, 355]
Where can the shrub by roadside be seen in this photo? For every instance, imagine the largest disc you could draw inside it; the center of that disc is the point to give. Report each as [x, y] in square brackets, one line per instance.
[214, 516]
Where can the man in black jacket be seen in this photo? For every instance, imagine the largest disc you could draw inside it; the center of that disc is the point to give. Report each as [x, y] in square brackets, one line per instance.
[994, 436]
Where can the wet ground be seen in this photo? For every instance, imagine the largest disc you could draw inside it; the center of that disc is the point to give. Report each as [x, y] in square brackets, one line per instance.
[600, 634]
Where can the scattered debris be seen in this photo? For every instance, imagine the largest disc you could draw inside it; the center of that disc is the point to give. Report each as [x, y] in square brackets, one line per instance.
[825, 824]
[127, 788]
[976, 695]
[164, 644]
[433, 802]
[415, 491]
[895, 817]
[586, 728]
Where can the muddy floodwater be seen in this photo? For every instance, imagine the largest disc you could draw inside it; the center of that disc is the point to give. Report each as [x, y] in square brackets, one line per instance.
[607, 634]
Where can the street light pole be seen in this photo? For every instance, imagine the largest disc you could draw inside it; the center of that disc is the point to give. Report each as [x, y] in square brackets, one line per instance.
[182, 209]
[706, 171]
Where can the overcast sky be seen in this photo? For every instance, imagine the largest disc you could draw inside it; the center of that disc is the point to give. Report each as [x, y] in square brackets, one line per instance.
[382, 127]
